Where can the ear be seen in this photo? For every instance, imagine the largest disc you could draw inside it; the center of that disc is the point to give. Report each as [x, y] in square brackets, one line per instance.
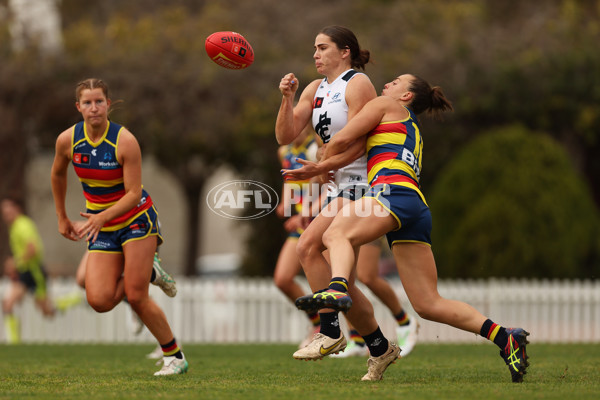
[407, 96]
[108, 102]
[77, 106]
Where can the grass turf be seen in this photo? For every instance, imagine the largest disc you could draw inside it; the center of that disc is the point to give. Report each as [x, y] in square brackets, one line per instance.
[268, 371]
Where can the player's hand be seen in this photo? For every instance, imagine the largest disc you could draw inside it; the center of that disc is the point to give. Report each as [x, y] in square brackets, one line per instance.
[288, 85]
[305, 221]
[293, 223]
[65, 228]
[92, 226]
[326, 177]
[308, 170]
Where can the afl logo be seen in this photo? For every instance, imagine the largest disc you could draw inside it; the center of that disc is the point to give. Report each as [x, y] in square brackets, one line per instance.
[230, 199]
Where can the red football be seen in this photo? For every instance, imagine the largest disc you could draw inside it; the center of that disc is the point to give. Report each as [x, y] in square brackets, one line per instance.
[229, 50]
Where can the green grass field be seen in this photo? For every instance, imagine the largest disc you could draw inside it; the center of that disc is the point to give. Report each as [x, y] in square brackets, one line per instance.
[269, 372]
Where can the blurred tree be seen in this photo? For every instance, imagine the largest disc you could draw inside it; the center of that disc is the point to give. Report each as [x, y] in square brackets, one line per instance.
[510, 204]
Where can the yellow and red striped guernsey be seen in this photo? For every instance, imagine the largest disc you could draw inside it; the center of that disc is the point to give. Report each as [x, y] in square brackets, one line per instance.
[101, 175]
[394, 153]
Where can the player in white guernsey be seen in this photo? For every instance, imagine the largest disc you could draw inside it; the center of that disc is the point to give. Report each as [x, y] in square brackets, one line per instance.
[330, 114]
[330, 103]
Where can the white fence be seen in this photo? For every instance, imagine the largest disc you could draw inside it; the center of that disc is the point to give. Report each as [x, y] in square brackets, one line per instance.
[253, 311]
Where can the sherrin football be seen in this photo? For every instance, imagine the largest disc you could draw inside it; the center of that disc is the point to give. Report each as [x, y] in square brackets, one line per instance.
[229, 50]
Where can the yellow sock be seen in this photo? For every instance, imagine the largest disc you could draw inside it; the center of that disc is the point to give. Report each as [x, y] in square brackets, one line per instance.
[11, 325]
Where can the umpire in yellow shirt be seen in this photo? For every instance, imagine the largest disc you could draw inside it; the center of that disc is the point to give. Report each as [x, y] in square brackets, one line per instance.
[24, 267]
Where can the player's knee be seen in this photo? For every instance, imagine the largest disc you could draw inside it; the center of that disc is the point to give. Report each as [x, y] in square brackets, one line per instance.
[365, 277]
[281, 282]
[80, 281]
[426, 310]
[100, 304]
[332, 235]
[307, 246]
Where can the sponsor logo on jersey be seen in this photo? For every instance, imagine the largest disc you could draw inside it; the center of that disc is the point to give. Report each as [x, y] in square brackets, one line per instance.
[138, 228]
[107, 165]
[81, 158]
[98, 244]
[322, 127]
[336, 98]
[318, 103]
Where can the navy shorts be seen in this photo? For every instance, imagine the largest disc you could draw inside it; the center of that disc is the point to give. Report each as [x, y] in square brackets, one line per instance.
[407, 207]
[145, 225]
[34, 280]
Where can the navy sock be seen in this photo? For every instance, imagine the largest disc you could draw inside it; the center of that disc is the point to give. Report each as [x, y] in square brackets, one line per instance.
[495, 333]
[376, 342]
[330, 324]
[339, 284]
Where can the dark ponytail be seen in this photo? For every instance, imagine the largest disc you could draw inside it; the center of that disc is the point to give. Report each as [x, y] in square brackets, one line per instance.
[427, 98]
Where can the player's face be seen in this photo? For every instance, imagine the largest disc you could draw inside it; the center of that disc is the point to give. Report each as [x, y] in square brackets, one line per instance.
[9, 211]
[327, 54]
[93, 106]
[398, 86]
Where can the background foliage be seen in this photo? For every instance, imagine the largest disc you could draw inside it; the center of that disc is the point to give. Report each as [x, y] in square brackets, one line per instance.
[501, 62]
[525, 210]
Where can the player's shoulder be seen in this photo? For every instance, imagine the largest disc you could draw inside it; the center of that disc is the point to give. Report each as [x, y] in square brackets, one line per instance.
[360, 89]
[127, 143]
[126, 135]
[64, 138]
[360, 78]
[312, 87]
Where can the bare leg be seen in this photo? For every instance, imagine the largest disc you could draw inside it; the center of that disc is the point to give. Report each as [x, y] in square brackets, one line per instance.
[139, 256]
[310, 250]
[80, 274]
[367, 271]
[418, 273]
[104, 281]
[14, 295]
[288, 266]
[45, 305]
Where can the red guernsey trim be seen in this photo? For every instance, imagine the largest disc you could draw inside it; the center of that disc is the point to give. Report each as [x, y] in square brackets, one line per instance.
[374, 160]
[104, 198]
[99, 174]
[389, 128]
[391, 179]
[131, 213]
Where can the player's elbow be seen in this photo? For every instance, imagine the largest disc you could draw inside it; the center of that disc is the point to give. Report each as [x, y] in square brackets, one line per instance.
[135, 195]
[283, 139]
